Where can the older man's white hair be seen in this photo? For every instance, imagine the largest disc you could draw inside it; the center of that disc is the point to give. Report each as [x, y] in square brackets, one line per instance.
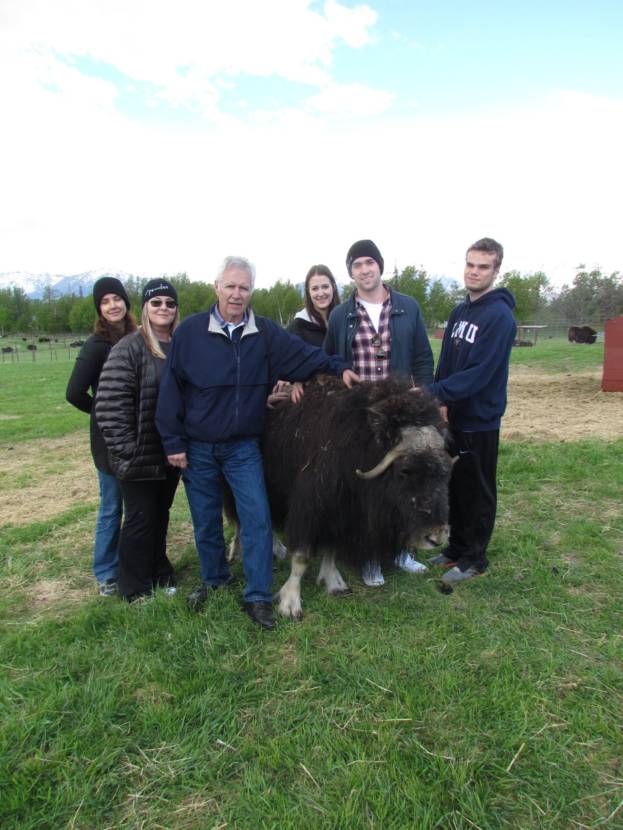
[240, 262]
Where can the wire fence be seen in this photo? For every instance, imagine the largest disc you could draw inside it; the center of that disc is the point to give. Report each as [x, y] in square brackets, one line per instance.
[560, 328]
[21, 348]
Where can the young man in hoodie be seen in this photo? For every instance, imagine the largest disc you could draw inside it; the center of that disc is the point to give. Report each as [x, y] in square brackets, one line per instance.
[471, 380]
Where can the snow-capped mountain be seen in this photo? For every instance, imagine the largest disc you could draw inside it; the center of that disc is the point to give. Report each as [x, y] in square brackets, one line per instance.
[34, 285]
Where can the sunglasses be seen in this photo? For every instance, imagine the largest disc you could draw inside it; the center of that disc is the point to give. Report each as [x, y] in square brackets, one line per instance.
[379, 351]
[157, 303]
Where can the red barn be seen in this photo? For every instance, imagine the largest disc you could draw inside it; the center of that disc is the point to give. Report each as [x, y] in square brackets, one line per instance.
[613, 356]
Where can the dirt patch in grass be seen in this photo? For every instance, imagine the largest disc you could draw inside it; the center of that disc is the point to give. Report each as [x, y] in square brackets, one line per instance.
[180, 536]
[40, 479]
[46, 592]
[566, 407]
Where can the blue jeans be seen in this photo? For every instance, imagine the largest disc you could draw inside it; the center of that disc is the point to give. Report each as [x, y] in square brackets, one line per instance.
[240, 463]
[107, 528]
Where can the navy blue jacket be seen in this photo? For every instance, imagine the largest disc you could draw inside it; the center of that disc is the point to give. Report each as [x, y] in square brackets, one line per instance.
[215, 388]
[472, 372]
[411, 355]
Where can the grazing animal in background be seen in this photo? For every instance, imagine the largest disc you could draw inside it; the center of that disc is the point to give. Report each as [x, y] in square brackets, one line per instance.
[76, 344]
[581, 334]
[31, 347]
[355, 475]
[7, 349]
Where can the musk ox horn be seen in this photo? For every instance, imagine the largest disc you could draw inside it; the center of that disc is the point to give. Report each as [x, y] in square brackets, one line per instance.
[414, 439]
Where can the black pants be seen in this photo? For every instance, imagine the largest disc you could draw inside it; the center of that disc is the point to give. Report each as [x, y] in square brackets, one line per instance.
[143, 561]
[473, 496]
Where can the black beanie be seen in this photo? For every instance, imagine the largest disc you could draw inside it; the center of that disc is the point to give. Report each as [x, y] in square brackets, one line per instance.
[159, 288]
[365, 247]
[109, 285]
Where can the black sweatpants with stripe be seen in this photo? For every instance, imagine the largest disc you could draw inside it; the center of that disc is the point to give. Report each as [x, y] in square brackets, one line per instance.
[143, 561]
[473, 496]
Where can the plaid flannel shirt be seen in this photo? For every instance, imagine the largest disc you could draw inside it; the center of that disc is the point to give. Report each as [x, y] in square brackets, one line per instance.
[372, 349]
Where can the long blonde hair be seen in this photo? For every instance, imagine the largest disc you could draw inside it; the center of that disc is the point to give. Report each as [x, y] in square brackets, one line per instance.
[149, 337]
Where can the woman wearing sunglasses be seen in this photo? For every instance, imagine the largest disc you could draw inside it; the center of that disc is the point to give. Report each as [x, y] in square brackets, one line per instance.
[125, 410]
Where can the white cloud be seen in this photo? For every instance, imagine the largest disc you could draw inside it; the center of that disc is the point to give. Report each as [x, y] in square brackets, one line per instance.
[350, 100]
[351, 24]
[152, 41]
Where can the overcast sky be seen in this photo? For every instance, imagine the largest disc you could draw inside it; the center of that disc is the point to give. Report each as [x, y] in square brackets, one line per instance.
[158, 136]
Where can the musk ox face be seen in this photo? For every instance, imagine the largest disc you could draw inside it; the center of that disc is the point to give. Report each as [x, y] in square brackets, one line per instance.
[416, 488]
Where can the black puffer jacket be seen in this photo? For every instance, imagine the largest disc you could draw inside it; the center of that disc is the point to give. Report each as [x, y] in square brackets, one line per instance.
[125, 407]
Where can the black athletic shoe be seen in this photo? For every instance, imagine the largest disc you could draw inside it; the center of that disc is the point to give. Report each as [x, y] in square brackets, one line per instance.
[139, 597]
[443, 559]
[456, 574]
[196, 599]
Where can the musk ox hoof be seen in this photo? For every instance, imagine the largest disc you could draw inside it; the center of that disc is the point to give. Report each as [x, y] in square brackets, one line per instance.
[289, 604]
[290, 612]
[340, 593]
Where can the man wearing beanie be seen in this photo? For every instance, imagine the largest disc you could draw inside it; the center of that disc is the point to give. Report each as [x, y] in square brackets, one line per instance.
[383, 333]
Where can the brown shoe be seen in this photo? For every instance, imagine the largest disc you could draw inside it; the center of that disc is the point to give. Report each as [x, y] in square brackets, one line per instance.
[261, 613]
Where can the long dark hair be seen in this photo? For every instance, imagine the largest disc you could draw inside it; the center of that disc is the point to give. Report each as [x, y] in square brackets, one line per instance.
[320, 271]
[114, 333]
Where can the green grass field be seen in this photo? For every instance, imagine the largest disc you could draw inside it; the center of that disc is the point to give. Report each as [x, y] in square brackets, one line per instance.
[498, 706]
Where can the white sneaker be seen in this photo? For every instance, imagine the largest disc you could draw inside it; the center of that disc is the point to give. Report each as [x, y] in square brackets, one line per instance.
[372, 575]
[407, 563]
[169, 591]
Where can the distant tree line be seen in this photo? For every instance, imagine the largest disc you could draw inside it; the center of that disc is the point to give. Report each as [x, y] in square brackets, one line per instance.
[592, 297]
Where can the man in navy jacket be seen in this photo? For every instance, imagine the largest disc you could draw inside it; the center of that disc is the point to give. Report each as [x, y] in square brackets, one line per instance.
[395, 342]
[383, 333]
[211, 410]
[471, 380]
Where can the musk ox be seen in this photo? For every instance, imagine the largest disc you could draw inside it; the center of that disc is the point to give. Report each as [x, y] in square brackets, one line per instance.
[355, 475]
[581, 334]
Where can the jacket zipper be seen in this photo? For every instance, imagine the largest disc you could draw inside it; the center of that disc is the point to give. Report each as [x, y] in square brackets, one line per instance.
[237, 409]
